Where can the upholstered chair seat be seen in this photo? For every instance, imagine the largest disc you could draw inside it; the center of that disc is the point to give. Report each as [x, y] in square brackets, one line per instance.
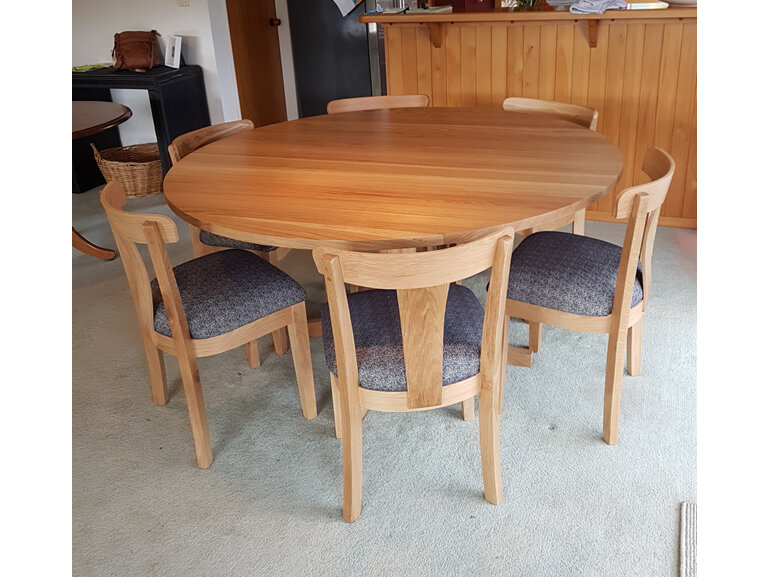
[211, 239]
[374, 316]
[225, 290]
[569, 273]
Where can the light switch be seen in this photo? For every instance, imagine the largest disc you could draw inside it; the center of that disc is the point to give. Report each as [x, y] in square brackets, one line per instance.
[183, 2]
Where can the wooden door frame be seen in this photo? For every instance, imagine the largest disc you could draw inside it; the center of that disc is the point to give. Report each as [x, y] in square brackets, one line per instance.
[223, 52]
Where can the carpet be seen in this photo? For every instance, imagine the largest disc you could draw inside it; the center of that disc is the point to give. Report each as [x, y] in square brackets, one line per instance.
[270, 504]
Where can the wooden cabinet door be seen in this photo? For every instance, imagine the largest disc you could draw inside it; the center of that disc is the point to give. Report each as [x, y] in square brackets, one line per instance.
[257, 59]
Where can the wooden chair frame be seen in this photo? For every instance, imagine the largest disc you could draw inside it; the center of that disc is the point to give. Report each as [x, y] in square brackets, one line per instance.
[422, 283]
[133, 229]
[640, 207]
[377, 102]
[183, 145]
[577, 113]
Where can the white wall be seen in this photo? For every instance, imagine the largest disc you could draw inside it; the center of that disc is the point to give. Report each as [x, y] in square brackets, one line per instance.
[95, 22]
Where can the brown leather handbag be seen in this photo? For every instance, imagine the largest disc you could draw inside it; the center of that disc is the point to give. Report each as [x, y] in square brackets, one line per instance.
[137, 51]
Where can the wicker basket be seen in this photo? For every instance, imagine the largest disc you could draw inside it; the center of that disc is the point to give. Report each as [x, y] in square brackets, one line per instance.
[137, 167]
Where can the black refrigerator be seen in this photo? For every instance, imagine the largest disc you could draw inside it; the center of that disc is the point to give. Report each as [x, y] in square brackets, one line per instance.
[334, 56]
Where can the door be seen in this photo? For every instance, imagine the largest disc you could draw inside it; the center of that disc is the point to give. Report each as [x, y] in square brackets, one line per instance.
[257, 60]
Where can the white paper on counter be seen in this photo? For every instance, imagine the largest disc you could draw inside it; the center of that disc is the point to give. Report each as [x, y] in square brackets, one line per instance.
[346, 6]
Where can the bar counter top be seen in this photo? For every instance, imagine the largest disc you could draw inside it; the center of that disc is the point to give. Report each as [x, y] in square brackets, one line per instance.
[505, 15]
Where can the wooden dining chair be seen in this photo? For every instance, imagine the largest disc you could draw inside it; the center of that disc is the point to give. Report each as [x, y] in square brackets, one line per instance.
[577, 113]
[588, 285]
[204, 306]
[414, 342]
[377, 102]
[205, 242]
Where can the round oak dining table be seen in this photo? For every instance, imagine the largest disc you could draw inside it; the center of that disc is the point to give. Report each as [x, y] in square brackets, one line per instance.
[395, 178]
[89, 118]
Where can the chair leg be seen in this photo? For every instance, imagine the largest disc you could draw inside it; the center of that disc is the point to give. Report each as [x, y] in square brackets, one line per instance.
[352, 458]
[300, 352]
[613, 385]
[469, 408]
[535, 336]
[157, 367]
[504, 359]
[195, 407]
[634, 354]
[199, 249]
[579, 224]
[336, 406]
[252, 354]
[489, 436]
[280, 343]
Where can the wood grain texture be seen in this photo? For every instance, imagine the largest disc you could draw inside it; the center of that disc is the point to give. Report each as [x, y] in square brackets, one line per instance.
[92, 117]
[422, 305]
[639, 207]
[257, 60]
[640, 77]
[154, 230]
[392, 178]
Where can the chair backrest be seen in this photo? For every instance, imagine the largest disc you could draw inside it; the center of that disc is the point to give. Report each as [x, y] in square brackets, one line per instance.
[377, 102]
[577, 113]
[640, 207]
[183, 145]
[421, 281]
[130, 230]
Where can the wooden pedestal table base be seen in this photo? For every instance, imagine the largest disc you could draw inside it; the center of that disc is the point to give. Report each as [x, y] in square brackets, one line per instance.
[90, 118]
[89, 248]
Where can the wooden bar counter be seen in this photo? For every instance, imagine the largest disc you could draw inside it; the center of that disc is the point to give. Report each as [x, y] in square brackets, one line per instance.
[636, 67]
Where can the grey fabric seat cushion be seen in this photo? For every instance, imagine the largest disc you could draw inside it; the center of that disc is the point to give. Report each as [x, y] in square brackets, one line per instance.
[376, 325]
[568, 272]
[211, 239]
[226, 290]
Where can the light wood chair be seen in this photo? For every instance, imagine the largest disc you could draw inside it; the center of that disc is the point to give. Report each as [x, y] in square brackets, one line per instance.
[204, 242]
[577, 113]
[377, 102]
[589, 285]
[390, 349]
[205, 306]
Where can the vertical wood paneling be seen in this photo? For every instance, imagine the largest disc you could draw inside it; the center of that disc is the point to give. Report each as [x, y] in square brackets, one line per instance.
[499, 64]
[515, 60]
[641, 77]
[613, 97]
[454, 81]
[684, 123]
[581, 60]
[438, 72]
[565, 58]
[667, 88]
[547, 76]
[648, 100]
[424, 80]
[690, 208]
[394, 62]
[629, 115]
[484, 65]
[468, 64]
[409, 59]
[597, 76]
[597, 72]
[531, 73]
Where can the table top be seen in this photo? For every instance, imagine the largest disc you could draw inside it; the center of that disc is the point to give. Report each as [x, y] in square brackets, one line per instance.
[392, 178]
[91, 117]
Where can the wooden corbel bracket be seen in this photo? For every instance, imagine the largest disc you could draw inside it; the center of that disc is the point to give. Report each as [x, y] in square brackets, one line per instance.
[593, 32]
[436, 31]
